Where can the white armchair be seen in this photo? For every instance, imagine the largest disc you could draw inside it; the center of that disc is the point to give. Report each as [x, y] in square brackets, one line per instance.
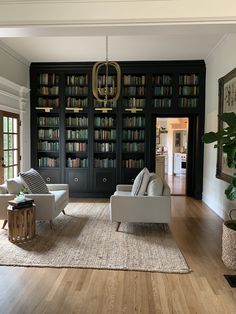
[154, 207]
[48, 206]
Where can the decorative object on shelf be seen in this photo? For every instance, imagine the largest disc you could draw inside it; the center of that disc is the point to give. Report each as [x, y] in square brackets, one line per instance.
[106, 91]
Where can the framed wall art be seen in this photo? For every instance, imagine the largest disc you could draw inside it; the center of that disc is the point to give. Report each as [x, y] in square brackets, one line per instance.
[227, 103]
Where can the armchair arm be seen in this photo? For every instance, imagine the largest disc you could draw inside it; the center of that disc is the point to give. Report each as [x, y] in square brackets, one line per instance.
[45, 205]
[124, 187]
[57, 187]
[4, 199]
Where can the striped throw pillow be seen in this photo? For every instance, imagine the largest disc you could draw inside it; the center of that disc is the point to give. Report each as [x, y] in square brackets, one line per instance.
[34, 182]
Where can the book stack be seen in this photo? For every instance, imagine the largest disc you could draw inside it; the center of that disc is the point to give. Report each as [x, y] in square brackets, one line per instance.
[26, 203]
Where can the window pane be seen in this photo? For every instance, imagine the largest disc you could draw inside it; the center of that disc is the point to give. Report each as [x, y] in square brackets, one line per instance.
[10, 157]
[5, 124]
[15, 141]
[5, 158]
[5, 141]
[5, 174]
[10, 125]
[15, 125]
[15, 171]
[10, 172]
[10, 139]
[15, 157]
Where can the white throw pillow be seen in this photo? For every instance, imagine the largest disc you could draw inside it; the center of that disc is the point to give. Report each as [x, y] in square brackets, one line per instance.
[15, 185]
[3, 188]
[140, 183]
[155, 187]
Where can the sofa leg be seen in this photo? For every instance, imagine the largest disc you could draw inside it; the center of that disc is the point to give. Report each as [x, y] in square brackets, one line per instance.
[63, 211]
[118, 226]
[4, 224]
[51, 224]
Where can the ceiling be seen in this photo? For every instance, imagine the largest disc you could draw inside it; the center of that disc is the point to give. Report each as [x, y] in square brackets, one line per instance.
[127, 43]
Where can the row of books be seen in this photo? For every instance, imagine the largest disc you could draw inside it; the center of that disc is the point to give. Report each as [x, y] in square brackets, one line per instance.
[133, 135]
[109, 91]
[77, 134]
[104, 147]
[134, 91]
[48, 121]
[111, 79]
[189, 79]
[48, 133]
[76, 147]
[131, 122]
[48, 102]
[188, 102]
[162, 80]
[188, 90]
[133, 147]
[77, 121]
[77, 79]
[162, 91]
[44, 90]
[48, 146]
[77, 162]
[105, 134]
[134, 80]
[134, 102]
[48, 162]
[76, 91]
[104, 163]
[104, 122]
[74, 102]
[162, 103]
[49, 79]
[133, 163]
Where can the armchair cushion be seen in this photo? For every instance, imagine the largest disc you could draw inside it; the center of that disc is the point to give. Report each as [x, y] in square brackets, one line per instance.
[15, 185]
[141, 182]
[34, 182]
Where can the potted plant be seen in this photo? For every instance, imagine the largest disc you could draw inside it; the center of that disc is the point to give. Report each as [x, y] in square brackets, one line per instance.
[226, 139]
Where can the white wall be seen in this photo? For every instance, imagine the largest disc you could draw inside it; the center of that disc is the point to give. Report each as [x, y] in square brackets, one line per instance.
[219, 63]
[14, 96]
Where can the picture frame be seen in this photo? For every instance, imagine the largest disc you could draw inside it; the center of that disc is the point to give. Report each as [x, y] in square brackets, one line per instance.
[227, 103]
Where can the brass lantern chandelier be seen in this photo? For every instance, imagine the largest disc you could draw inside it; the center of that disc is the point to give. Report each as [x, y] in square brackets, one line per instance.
[106, 80]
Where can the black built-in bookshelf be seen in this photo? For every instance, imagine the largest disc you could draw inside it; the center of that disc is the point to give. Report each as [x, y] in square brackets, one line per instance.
[76, 141]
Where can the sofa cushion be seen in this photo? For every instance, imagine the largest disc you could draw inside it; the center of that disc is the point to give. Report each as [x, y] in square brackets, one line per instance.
[34, 182]
[155, 186]
[3, 188]
[140, 183]
[15, 185]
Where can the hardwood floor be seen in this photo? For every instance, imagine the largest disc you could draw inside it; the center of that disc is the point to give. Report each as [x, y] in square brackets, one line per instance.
[176, 183]
[196, 229]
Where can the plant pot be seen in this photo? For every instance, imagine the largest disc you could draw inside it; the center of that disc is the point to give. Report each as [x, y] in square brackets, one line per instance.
[229, 242]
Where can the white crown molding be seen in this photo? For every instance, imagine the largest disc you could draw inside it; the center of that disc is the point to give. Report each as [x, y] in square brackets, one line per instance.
[13, 96]
[220, 42]
[14, 54]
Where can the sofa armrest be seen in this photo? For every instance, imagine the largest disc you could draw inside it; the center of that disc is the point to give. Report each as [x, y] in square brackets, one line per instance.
[124, 187]
[4, 199]
[57, 187]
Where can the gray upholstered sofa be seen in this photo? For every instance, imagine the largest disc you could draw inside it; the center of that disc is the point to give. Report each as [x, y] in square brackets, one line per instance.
[153, 207]
[48, 206]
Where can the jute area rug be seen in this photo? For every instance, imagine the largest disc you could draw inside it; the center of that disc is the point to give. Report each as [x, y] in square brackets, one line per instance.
[86, 238]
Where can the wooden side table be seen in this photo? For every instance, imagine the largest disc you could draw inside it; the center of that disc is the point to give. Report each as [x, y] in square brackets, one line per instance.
[21, 224]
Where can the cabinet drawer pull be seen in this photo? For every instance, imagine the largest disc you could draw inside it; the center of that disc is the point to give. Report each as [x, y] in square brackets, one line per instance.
[104, 180]
[76, 179]
[48, 179]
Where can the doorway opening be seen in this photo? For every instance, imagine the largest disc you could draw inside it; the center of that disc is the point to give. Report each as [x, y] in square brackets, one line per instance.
[172, 152]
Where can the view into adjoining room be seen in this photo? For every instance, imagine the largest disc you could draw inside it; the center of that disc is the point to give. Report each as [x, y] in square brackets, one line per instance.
[172, 152]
